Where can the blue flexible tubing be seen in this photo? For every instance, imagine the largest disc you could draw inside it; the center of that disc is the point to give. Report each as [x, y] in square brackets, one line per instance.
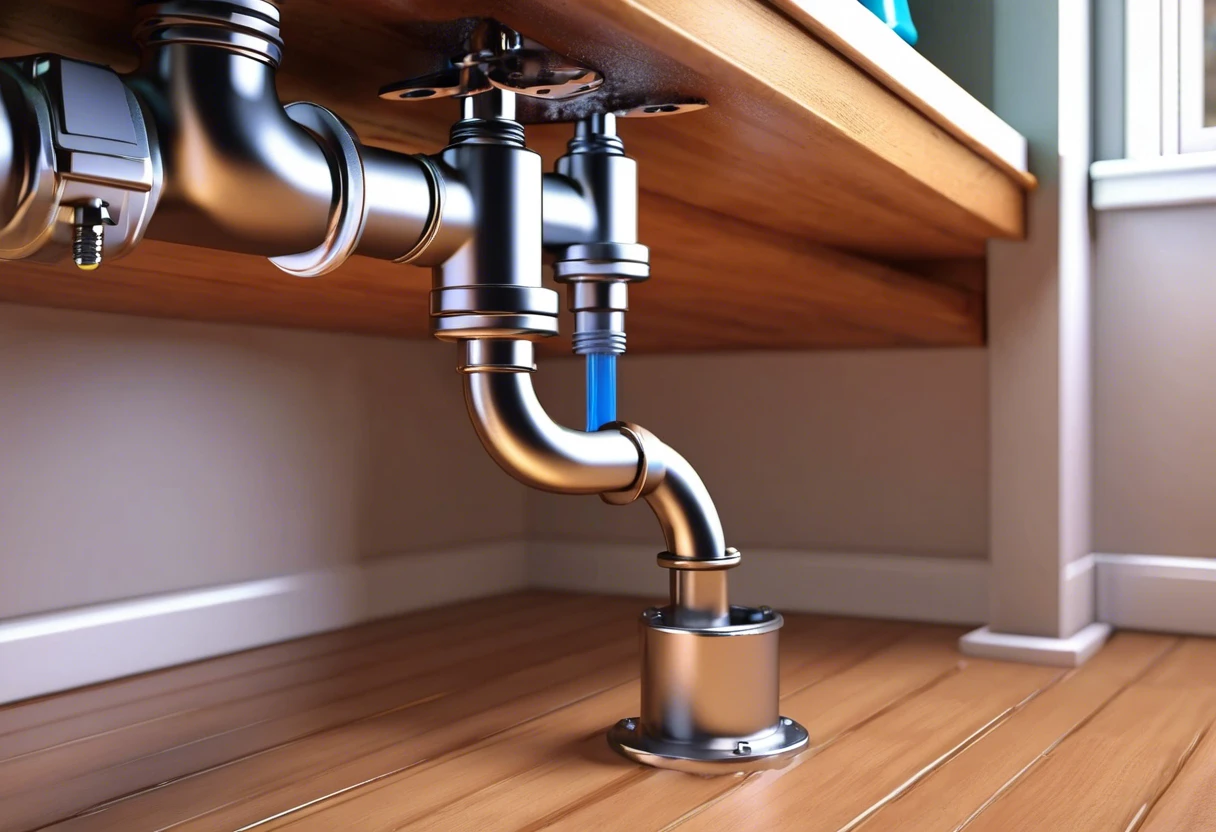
[601, 389]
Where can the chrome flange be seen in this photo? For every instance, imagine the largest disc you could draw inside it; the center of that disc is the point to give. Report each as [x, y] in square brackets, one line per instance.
[709, 696]
[713, 756]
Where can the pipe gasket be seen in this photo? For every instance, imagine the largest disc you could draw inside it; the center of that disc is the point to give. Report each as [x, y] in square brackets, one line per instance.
[349, 213]
[435, 219]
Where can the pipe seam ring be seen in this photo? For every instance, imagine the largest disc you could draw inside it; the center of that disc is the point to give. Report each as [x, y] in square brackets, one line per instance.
[435, 219]
[347, 219]
[651, 471]
[729, 560]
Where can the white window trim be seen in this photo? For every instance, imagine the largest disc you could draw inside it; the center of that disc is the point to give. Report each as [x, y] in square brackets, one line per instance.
[1171, 156]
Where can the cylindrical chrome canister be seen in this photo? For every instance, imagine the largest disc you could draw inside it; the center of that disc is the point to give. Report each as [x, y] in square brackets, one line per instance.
[709, 696]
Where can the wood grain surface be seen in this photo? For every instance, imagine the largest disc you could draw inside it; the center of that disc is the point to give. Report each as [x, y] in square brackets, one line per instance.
[490, 715]
[777, 218]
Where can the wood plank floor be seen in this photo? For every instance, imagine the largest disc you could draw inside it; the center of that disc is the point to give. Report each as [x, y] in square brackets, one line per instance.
[490, 715]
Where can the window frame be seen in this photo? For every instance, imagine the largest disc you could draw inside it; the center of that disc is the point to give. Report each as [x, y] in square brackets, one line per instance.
[1164, 79]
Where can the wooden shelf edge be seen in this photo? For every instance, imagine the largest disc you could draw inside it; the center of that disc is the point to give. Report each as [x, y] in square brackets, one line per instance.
[860, 36]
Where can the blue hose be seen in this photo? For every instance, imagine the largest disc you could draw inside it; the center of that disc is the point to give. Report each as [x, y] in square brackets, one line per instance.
[601, 389]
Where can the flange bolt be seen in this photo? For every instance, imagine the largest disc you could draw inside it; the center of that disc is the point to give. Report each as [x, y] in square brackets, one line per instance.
[89, 225]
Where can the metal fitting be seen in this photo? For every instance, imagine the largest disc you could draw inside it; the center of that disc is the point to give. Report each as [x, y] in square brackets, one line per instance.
[709, 696]
[246, 27]
[90, 223]
[491, 286]
[599, 268]
[78, 139]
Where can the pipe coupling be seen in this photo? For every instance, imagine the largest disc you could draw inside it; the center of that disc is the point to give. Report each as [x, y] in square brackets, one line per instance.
[77, 138]
[247, 27]
[597, 276]
[651, 469]
[348, 213]
[710, 696]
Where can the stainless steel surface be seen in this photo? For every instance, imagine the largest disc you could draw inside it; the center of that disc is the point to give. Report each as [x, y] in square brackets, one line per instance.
[488, 55]
[348, 212]
[598, 267]
[198, 133]
[497, 355]
[567, 217]
[775, 750]
[245, 174]
[240, 175]
[246, 27]
[709, 696]
[89, 223]
[491, 286]
[530, 446]
[699, 597]
[537, 451]
[74, 135]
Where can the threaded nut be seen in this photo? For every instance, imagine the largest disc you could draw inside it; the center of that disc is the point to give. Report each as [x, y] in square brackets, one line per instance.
[89, 229]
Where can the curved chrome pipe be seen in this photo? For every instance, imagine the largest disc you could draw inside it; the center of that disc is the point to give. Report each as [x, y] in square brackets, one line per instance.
[525, 441]
[240, 174]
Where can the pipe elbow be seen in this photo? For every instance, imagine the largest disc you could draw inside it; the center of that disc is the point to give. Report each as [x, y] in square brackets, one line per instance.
[530, 446]
[525, 442]
[239, 174]
[691, 527]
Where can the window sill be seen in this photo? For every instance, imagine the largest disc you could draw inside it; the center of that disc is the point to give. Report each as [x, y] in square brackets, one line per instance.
[1155, 182]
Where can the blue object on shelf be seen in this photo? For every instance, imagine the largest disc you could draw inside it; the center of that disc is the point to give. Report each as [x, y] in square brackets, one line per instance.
[601, 389]
[895, 14]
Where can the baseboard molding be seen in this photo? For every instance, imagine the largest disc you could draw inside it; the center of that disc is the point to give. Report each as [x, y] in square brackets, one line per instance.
[41, 654]
[1078, 607]
[1072, 651]
[944, 590]
[1156, 592]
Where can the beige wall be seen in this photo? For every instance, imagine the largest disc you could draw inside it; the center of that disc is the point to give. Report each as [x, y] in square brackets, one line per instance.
[141, 456]
[1155, 382]
[882, 451]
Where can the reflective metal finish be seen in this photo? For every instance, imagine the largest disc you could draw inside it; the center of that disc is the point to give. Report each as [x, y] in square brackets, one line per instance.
[530, 446]
[491, 286]
[709, 696]
[89, 223]
[72, 135]
[348, 212]
[598, 268]
[493, 55]
[241, 173]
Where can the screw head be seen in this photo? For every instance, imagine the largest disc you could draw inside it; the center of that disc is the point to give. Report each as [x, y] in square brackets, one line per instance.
[743, 748]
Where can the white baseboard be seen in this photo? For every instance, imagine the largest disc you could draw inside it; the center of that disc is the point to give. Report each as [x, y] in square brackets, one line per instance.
[1155, 592]
[45, 653]
[944, 590]
[1073, 651]
[1077, 595]
[41, 654]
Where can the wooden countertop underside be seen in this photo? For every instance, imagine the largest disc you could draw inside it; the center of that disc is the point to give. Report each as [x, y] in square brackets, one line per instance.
[808, 206]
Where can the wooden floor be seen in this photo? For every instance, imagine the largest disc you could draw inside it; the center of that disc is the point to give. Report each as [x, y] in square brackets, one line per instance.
[490, 715]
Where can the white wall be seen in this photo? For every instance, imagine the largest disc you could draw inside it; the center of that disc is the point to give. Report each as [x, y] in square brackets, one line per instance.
[1155, 382]
[853, 451]
[141, 456]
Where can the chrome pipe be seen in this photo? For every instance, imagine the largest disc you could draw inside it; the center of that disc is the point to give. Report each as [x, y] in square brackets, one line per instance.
[240, 173]
[525, 441]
